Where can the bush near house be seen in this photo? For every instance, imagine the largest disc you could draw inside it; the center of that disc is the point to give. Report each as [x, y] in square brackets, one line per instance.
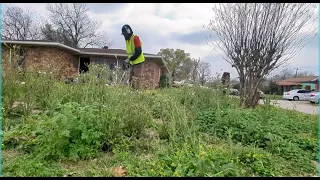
[56, 129]
[164, 82]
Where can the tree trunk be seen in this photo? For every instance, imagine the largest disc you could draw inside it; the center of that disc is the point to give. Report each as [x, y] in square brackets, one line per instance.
[249, 95]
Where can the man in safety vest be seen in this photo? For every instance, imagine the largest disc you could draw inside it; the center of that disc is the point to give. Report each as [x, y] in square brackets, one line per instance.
[135, 56]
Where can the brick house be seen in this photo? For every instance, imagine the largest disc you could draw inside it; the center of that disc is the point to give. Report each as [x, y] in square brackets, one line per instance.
[69, 62]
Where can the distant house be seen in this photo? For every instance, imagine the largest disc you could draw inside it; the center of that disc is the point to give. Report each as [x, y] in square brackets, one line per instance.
[70, 61]
[308, 83]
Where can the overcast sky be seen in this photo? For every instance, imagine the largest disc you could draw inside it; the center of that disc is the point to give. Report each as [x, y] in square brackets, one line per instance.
[179, 25]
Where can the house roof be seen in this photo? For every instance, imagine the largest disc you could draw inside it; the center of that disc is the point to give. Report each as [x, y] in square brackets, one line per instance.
[79, 50]
[296, 81]
[84, 51]
[288, 83]
[111, 51]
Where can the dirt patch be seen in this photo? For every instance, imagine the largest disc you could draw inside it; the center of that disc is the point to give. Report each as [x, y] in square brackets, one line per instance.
[100, 166]
[23, 104]
[8, 154]
[36, 111]
[146, 156]
[17, 104]
[158, 121]
[315, 164]
[151, 134]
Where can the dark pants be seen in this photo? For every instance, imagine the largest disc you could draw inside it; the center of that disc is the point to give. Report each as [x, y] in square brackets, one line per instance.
[136, 75]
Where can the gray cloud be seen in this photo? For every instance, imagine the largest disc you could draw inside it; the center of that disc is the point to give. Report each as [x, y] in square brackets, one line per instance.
[307, 60]
[198, 37]
[313, 43]
[152, 43]
[217, 63]
[101, 8]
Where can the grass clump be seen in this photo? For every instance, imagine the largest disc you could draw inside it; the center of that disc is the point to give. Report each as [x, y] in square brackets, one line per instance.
[89, 129]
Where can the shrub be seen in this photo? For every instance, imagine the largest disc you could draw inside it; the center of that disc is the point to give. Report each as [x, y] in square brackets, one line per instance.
[164, 82]
[167, 132]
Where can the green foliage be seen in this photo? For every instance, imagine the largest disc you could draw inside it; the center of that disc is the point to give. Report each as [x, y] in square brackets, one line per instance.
[164, 82]
[178, 62]
[272, 88]
[28, 166]
[166, 132]
[261, 127]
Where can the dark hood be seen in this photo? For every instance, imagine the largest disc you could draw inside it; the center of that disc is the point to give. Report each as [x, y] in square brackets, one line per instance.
[124, 32]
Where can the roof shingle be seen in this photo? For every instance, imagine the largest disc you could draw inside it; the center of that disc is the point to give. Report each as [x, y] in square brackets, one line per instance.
[296, 81]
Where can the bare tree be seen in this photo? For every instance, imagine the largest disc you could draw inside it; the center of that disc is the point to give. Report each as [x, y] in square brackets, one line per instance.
[55, 35]
[258, 38]
[214, 81]
[284, 73]
[77, 29]
[49, 33]
[204, 72]
[304, 74]
[289, 72]
[195, 69]
[19, 24]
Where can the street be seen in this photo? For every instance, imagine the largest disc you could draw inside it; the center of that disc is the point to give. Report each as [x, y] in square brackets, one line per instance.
[301, 106]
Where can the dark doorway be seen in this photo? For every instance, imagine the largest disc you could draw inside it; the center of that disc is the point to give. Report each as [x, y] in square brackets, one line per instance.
[308, 87]
[84, 63]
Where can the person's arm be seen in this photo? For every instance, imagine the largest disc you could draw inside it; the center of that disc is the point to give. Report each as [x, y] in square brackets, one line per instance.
[138, 49]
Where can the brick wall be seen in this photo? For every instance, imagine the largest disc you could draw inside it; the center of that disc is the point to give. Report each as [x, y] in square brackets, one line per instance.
[47, 59]
[66, 63]
[151, 74]
[151, 70]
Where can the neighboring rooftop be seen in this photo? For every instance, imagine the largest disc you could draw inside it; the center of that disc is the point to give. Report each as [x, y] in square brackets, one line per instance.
[296, 81]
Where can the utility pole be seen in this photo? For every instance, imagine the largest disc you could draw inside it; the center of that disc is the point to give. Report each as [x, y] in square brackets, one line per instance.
[297, 71]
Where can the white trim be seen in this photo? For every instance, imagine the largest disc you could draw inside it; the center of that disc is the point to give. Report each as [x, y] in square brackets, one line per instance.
[315, 79]
[70, 48]
[42, 43]
[115, 54]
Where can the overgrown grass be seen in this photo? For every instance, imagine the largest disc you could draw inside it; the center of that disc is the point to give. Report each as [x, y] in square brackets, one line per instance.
[273, 96]
[88, 129]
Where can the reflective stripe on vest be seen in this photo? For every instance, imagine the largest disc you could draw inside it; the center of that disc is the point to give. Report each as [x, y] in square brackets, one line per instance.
[130, 48]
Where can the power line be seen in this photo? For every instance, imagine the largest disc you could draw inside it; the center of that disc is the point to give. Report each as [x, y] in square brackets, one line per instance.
[208, 54]
[297, 71]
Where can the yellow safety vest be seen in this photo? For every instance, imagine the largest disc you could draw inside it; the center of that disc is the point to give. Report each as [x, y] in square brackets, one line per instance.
[130, 50]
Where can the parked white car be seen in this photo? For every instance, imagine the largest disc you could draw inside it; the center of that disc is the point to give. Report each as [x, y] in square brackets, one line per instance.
[308, 96]
[314, 97]
[296, 95]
